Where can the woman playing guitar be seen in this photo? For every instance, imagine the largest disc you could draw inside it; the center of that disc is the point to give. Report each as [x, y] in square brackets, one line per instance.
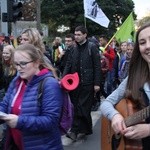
[135, 90]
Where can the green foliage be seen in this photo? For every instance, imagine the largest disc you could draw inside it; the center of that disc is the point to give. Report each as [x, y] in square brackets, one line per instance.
[71, 13]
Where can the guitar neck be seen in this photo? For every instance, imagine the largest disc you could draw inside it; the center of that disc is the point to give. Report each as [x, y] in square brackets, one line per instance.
[138, 117]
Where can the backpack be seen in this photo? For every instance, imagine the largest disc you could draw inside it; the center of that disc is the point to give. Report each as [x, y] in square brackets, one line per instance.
[66, 117]
[90, 47]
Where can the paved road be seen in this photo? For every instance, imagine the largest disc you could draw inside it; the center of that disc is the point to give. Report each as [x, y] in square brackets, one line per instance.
[93, 141]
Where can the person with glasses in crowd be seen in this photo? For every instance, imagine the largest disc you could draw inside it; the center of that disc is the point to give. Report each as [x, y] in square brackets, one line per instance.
[30, 126]
[69, 44]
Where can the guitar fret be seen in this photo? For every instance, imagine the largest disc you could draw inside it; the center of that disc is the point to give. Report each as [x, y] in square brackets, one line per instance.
[132, 116]
[138, 116]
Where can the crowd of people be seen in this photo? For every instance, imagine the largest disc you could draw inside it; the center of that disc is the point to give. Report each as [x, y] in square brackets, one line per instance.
[106, 71]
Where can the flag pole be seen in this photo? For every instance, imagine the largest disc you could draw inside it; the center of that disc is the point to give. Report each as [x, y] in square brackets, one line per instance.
[110, 41]
[85, 21]
[125, 22]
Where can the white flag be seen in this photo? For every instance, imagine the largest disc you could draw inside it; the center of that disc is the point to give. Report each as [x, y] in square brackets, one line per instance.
[94, 12]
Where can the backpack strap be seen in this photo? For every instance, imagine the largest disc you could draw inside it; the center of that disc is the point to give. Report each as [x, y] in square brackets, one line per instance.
[90, 47]
[40, 90]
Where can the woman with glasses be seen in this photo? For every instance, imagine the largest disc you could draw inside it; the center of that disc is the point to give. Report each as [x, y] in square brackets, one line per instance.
[30, 126]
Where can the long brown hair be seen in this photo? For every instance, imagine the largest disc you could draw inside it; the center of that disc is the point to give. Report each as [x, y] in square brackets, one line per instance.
[138, 73]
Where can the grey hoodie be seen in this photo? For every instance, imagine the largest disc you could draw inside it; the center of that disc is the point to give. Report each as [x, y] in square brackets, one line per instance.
[107, 106]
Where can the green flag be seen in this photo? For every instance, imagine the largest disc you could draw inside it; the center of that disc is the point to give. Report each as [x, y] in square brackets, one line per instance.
[127, 30]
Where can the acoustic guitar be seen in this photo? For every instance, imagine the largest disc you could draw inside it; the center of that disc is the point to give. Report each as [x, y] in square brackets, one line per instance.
[111, 141]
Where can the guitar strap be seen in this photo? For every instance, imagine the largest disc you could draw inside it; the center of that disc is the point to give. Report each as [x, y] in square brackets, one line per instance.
[146, 93]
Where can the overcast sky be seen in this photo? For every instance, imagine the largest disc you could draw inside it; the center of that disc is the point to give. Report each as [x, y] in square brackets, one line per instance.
[141, 7]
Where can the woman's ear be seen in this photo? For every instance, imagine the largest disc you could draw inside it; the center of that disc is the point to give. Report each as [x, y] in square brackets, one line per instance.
[37, 64]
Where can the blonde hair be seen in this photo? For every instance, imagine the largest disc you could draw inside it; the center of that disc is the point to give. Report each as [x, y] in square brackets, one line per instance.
[34, 38]
[12, 69]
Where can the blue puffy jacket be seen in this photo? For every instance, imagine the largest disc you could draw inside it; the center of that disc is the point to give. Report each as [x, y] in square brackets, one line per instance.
[39, 125]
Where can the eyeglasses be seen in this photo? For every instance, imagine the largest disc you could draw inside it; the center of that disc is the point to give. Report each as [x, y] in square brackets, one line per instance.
[68, 40]
[22, 64]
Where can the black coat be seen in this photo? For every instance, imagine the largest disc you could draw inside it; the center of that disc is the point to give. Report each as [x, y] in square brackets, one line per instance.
[64, 58]
[85, 60]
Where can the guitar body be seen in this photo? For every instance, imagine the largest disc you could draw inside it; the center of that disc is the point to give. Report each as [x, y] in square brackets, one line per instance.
[109, 141]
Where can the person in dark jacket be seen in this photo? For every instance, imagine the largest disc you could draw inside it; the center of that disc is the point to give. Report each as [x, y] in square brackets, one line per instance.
[9, 71]
[30, 126]
[69, 44]
[85, 60]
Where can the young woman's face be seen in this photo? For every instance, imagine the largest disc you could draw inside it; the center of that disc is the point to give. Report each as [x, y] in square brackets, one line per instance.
[6, 54]
[25, 66]
[144, 44]
[129, 50]
[24, 39]
[123, 47]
